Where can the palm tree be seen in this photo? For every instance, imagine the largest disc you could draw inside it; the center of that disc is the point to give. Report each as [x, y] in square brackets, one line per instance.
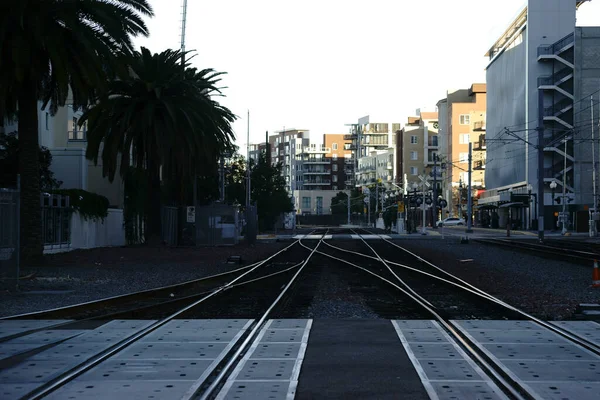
[52, 50]
[161, 118]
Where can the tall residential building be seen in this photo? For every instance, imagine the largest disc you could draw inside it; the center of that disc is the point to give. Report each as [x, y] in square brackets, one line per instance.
[556, 63]
[287, 147]
[462, 121]
[418, 145]
[342, 163]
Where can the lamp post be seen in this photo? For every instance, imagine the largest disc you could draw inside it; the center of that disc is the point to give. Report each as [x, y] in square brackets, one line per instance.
[509, 222]
[553, 188]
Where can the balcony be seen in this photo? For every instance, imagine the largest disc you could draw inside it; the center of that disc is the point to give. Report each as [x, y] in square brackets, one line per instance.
[479, 165]
[317, 172]
[318, 182]
[313, 161]
[480, 144]
[350, 137]
[317, 150]
[78, 136]
[479, 126]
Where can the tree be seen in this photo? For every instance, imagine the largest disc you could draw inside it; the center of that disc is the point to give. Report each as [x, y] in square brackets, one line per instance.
[160, 118]
[52, 50]
[268, 191]
[9, 163]
[339, 203]
[267, 186]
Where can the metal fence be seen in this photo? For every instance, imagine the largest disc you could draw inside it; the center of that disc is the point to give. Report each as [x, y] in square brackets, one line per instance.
[170, 225]
[56, 221]
[217, 225]
[9, 236]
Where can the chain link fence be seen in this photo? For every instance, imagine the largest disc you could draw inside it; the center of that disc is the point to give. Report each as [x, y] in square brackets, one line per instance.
[9, 236]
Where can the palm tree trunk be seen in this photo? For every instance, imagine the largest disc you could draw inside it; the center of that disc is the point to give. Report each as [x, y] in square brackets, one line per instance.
[29, 168]
[153, 231]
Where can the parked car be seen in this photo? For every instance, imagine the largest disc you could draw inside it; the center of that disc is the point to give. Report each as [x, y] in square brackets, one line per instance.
[451, 221]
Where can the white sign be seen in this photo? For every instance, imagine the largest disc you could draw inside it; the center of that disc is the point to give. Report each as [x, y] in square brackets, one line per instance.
[191, 214]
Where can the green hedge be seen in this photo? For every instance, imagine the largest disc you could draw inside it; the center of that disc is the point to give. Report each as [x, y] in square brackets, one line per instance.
[89, 205]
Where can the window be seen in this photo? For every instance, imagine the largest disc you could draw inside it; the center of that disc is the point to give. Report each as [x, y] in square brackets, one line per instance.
[396, 127]
[414, 171]
[414, 155]
[463, 157]
[464, 138]
[306, 203]
[464, 119]
[334, 146]
[347, 146]
[433, 141]
[334, 178]
[334, 167]
[414, 139]
[334, 157]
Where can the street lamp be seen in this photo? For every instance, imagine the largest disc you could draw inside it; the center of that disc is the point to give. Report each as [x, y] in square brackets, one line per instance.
[553, 188]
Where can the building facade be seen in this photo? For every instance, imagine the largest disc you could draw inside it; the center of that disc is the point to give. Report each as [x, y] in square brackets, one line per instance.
[540, 77]
[342, 163]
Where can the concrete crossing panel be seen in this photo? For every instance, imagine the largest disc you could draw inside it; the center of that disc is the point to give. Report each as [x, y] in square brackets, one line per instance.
[546, 364]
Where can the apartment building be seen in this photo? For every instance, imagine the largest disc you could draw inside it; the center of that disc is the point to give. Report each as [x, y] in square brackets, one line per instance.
[549, 69]
[255, 150]
[287, 147]
[342, 163]
[417, 146]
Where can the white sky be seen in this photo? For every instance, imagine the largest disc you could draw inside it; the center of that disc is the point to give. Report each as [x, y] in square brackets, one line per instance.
[320, 64]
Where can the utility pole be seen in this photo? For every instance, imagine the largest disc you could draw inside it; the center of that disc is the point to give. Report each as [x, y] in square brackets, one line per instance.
[435, 211]
[469, 205]
[248, 182]
[540, 174]
[564, 193]
[349, 194]
[423, 219]
[592, 220]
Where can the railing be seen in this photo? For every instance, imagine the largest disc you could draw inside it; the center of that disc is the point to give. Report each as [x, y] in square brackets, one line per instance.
[317, 150]
[56, 221]
[479, 164]
[553, 79]
[479, 126]
[318, 161]
[317, 172]
[558, 108]
[480, 144]
[350, 137]
[80, 136]
[554, 48]
[318, 182]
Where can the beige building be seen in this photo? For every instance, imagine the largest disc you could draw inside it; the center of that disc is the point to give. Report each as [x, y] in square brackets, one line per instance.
[463, 122]
[417, 147]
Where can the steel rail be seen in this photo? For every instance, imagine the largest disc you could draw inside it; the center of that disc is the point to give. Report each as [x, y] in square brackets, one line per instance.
[508, 387]
[225, 371]
[194, 296]
[56, 383]
[125, 296]
[573, 337]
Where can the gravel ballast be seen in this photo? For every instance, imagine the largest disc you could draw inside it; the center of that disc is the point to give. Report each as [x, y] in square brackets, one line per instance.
[549, 289]
[85, 275]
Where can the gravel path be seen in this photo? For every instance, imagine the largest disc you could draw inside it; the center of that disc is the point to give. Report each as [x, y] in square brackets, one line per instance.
[86, 275]
[547, 288]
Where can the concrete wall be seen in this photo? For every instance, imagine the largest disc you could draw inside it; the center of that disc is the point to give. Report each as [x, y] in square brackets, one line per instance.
[90, 234]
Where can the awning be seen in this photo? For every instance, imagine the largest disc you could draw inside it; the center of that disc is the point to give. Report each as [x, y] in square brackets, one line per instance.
[514, 204]
[487, 207]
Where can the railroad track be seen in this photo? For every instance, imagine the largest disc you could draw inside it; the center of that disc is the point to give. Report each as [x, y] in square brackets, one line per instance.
[387, 272]
[578, 253]
[290, 287]
[251, 275]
